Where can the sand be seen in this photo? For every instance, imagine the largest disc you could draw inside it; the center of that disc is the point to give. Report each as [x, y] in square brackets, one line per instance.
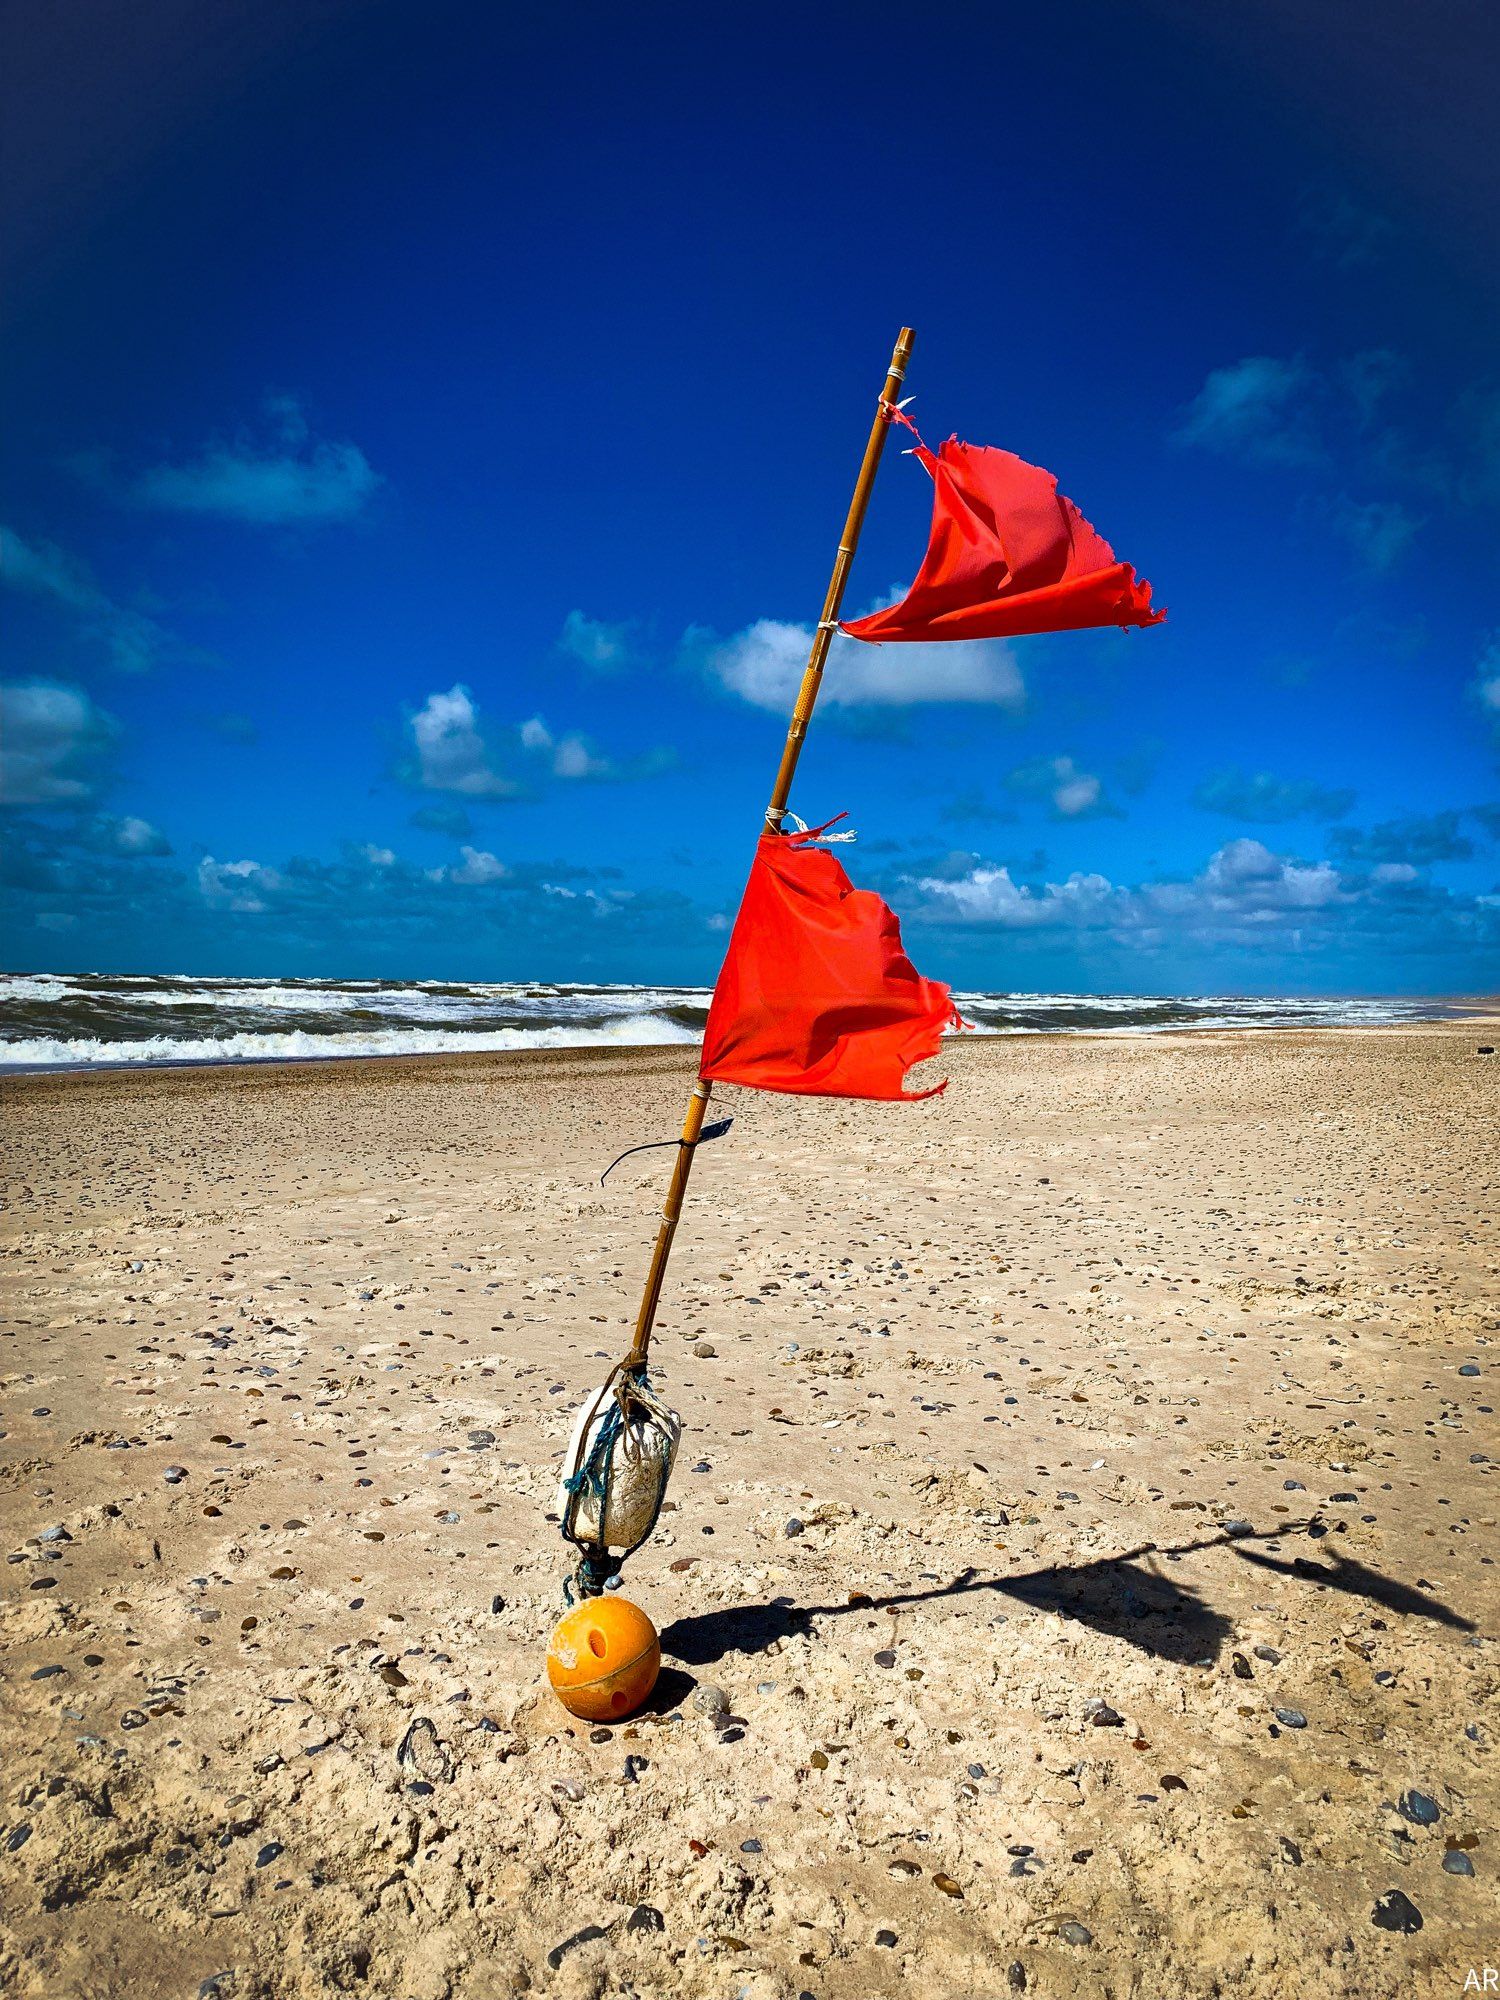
[1081, 1578]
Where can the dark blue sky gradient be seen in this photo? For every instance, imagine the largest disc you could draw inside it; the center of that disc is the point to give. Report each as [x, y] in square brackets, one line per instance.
[351, 348]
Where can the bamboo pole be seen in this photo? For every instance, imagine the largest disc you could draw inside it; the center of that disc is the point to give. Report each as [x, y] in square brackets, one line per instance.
[807, 696]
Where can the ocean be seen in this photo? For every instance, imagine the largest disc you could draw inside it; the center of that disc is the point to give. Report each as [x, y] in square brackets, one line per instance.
[58, 1022]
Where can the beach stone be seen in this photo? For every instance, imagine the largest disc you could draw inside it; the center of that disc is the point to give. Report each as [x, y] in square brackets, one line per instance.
[1072, 1932]
[1291, 1718]
[1015, 1976]
[1419, 1807]
[587, 1935]
[645, 1919]
[793, 1528]
[885, 1657]
[175, 1474]
[710, 1700]
[1395, 1911]
[885, 1939]
[1456, 1862]
[704, 1350]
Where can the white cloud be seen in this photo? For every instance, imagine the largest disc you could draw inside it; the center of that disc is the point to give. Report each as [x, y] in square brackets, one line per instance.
[50, 737]
[133, 642]
[131, 835]
[452, 754]
[598, 645]
[572, 758]
[1255, 409]
[1487, 681]
[567, 756]
[1246, 873]
[763, 665]
[1242, 886]
[283, 477]
[242, 886]
[477, 868]
[45, 570]
[378, 857]
[1265, 798]
[1379, 531]
[603, 906]
[1072, 793]
[987, 895]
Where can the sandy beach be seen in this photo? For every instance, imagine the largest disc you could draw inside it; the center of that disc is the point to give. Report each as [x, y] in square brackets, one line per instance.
[1079, 1579]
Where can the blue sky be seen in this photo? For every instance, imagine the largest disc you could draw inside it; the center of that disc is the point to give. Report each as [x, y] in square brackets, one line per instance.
[427, 431]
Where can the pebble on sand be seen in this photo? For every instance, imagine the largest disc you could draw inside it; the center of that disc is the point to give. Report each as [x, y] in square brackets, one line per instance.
[1395, 1911]
[1419, 1807]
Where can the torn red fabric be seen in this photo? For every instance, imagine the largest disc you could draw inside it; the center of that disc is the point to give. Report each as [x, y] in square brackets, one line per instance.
[1007, 554]
[816, 996]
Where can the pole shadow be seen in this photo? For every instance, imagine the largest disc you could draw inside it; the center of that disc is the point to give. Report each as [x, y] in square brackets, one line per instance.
[1348, 1573]
[1114, 1595]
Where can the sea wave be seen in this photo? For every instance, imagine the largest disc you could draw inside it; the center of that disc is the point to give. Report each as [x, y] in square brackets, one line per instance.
[294, 1045]
[77, 1021]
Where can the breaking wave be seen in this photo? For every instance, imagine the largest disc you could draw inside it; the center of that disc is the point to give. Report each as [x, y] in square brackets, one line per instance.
[84, 1022]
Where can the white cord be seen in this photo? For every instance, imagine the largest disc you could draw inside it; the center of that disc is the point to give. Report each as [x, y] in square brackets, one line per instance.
[801, 826]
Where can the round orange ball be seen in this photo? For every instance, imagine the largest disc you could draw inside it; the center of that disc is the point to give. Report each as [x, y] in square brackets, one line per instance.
[603, 1659]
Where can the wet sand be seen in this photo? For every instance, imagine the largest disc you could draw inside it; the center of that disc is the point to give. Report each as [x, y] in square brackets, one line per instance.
[1079, 1576]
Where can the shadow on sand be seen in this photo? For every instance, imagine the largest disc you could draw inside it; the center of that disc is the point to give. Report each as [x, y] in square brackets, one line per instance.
[1114, 1595]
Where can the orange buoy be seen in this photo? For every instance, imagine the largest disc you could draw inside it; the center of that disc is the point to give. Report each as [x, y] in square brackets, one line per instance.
[603, 1659]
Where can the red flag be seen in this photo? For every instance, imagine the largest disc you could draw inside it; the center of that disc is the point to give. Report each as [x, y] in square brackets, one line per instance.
[816, 996]
[1006, 554]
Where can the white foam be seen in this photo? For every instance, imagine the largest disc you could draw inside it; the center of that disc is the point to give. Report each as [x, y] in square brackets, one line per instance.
[261, 1020]
[646, 1031]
